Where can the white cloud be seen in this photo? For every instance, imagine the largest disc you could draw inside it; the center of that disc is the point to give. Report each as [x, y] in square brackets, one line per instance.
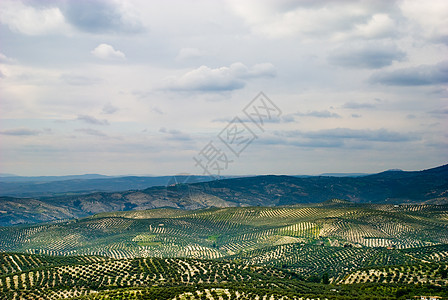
[32, 21]
[281, 19]
[107, 52]
[380, 25]
[5, 59]
[431, 18]
[220, 79]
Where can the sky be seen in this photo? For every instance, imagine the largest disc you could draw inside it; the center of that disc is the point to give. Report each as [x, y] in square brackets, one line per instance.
[167, 87]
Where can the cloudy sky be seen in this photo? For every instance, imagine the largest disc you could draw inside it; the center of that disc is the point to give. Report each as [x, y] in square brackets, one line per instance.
[144, 87]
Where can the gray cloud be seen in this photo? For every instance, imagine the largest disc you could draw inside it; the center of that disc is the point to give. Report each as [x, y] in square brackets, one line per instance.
[369, 56]
[35, 17]
[338, 137]
[102, 16]
[90, 131]
[379, 135]
[92, 120]
[297, 141]
[414, 76]
[108, 108]
[439, 113]
[330, 143]
[289, 118]
[157, 111]
[175, 135]
[319, 114]
[20, 132]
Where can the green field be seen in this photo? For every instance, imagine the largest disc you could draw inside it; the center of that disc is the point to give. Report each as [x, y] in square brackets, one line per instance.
[331, 250]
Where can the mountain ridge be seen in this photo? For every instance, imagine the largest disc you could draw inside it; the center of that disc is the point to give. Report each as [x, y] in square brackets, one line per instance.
[391, 187]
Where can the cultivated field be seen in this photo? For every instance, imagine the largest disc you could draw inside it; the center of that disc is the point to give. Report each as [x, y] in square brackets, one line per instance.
[332, 250]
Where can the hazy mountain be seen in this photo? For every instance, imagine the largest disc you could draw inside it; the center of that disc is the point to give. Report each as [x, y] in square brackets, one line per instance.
[15, 178]
[47, 186]
[393, 187]
[344, 174]
[7, 175]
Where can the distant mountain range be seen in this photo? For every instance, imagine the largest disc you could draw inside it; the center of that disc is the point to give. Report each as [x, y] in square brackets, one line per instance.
[15, 178]
[391, 187]
[344, 174]
[47, 186]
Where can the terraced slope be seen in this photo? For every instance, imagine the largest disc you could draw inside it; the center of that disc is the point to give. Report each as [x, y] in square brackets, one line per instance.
[435, 274]
[91, 274]
[20, 262]
[215, 233]
[265, 252]
[182, 278]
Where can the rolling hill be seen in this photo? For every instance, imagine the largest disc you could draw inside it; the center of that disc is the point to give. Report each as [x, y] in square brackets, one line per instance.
[334, 250]
[25, 276]
[220, 232]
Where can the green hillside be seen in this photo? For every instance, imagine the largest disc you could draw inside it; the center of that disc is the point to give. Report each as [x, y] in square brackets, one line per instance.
[334, 250]
[185, 278]
[215, 233]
